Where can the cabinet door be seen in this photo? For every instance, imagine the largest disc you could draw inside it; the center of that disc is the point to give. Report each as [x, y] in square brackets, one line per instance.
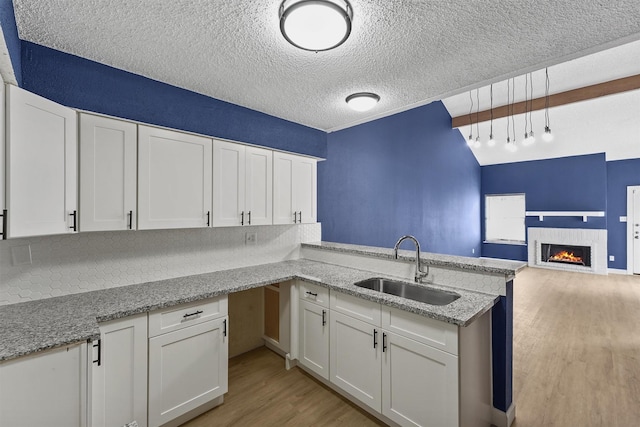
[41, 165]
[119, 383]
[174, 179]
[259, 186]
[2, 162]
[187, 368]
[419, 383]
[283, 188]
[355, 358]
[228, 184]
[304, 189]
[45, 389]
[108, 152]
[314, 338]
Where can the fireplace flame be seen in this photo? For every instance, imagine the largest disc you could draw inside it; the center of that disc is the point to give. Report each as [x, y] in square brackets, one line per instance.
[566, 256]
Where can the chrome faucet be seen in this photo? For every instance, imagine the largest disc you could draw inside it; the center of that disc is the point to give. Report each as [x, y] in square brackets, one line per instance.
[419, 273]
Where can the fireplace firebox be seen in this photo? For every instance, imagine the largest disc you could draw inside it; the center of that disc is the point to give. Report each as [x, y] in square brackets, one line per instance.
[566, 254]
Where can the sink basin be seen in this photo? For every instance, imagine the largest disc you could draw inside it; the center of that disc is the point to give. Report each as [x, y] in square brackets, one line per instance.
[409, 291]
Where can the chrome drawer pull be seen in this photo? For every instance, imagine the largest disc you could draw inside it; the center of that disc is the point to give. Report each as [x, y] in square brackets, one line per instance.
[195, 313]
[313, 294]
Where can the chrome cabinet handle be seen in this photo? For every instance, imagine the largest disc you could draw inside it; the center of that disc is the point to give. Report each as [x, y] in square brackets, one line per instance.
[224, 331]
[249, 223]
[324, 317]
[375, 338]
[384, 342]
[313, 294]
[242, 218]
[208, 218]
[195, 313]
[130, 220]
[299, 217]
[295, 217]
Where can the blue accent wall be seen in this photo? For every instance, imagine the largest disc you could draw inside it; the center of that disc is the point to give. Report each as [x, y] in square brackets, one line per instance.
[83, 84]
[409, 173]
[576, 183]
[620, 174]
[10, 32]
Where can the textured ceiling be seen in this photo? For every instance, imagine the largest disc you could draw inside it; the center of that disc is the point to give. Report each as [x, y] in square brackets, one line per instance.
[408, 52]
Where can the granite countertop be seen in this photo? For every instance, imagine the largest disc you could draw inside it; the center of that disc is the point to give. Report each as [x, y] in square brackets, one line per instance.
[485, 265]
[34, 326]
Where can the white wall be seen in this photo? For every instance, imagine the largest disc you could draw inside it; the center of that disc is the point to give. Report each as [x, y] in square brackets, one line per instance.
[67, 264]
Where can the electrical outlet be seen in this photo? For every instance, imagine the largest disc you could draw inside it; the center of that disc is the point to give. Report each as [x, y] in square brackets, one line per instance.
[612, 258]
[473, 250]
[251, 238]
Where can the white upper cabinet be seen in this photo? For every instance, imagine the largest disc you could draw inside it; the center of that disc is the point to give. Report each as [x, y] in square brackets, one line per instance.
[174, 179]
[242, 185]
[41, 165]
[108, 166]
[294, 189]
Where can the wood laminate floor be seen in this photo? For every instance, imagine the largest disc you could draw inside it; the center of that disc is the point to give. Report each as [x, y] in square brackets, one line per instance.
[576, 349]
[576, 363]
[262, 393]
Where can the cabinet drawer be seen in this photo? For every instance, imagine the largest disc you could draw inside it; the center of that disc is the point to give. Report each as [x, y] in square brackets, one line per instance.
[184, 315]
[435, 333]
[358, 308]
[315, 293]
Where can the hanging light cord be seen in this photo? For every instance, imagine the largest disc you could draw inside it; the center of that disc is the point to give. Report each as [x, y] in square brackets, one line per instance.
[546, 99]
[508, 107]
[526, 102]
[513, 100]
[531, 100]
[470, 121]
[491, 111]
[477, 113]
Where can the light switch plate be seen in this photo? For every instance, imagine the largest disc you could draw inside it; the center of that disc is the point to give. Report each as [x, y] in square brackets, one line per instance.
[623, 219]
[612, 258]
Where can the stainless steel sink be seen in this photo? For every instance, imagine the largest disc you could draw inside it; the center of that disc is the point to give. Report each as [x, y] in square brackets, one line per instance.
[409, 291]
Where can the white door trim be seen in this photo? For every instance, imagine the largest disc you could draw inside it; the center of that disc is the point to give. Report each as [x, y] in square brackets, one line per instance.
[630, 214]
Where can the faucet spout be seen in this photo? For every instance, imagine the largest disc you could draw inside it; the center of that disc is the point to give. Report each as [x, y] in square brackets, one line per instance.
[420, 274]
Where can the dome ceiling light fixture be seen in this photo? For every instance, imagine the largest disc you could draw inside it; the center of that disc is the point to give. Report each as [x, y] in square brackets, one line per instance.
[316, 25]
[362, 101]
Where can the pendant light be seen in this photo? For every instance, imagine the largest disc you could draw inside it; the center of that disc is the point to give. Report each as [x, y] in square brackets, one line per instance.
[316, 25]
[532, 138]
[547, 136]
[511, 144]
[491, 142]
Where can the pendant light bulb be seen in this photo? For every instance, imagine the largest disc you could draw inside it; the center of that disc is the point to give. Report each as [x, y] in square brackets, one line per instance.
[491, 142]
[547, 136]
[477, 144]
[470, 141]
[532, 138]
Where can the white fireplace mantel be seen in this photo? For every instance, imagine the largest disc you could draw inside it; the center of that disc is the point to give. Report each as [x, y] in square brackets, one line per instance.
[584, 214]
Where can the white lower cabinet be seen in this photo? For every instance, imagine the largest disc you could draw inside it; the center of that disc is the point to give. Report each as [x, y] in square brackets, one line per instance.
[45, 389]
[419, 383]
[188, 367]
[119, 373]
[355, 358]
[313, 352]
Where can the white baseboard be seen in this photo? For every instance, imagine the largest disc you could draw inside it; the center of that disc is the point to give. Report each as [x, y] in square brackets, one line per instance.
[617, 271]
[504, 419]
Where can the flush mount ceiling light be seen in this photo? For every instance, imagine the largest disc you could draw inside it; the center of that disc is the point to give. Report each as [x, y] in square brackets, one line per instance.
[362, 101]
[315, 25]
